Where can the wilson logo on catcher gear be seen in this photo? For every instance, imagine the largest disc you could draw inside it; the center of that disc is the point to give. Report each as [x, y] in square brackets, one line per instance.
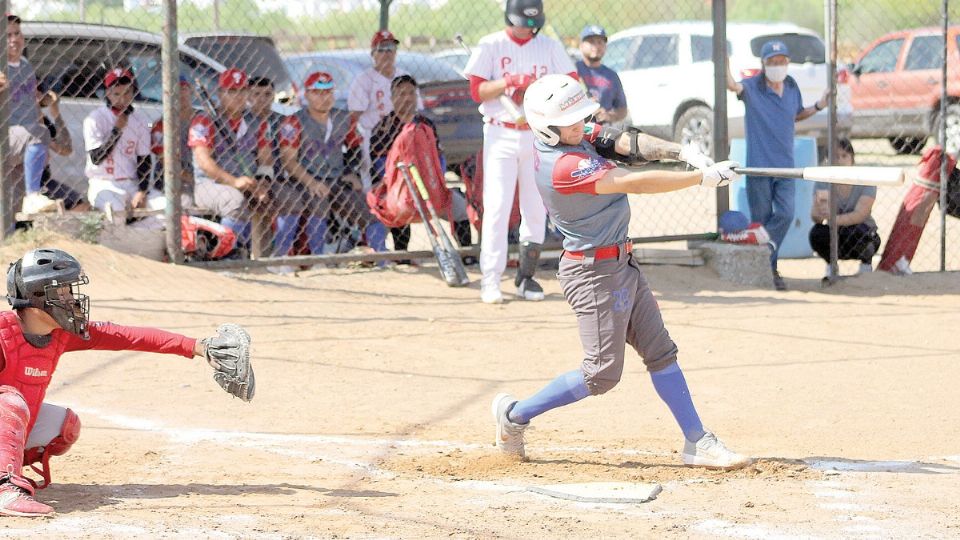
[34, 372]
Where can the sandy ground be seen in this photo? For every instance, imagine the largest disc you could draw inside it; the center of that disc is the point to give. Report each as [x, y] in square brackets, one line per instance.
[372, 412]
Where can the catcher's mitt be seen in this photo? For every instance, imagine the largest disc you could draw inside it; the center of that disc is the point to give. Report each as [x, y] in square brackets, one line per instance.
[229, 354]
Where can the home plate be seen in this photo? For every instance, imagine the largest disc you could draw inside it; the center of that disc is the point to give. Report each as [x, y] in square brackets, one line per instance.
[601, 492]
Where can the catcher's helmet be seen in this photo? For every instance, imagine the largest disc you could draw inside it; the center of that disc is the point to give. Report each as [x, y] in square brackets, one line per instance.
[556, 101]
[525, 13]
[50, 279]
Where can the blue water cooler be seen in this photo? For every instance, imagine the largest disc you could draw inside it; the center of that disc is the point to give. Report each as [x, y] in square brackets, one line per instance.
[796, 245]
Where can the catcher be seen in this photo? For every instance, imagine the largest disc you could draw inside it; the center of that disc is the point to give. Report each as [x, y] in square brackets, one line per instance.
[51, 317]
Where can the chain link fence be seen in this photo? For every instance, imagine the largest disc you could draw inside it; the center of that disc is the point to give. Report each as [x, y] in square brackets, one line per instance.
[286, 178]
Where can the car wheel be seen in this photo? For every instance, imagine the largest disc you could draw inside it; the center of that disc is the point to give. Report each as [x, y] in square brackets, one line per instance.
[953, 128]
[695, 126]
[907, 145]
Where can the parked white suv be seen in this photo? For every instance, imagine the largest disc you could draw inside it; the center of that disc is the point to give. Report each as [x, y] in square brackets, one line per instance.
[667, 75]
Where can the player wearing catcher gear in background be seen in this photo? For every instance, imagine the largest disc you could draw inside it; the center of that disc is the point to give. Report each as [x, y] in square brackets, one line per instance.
[505, 63]
[50, 318]
[586, 196]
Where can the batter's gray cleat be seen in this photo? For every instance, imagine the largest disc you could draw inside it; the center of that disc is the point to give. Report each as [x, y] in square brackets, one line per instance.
[710, 453]
[529, 289]
[509, 435]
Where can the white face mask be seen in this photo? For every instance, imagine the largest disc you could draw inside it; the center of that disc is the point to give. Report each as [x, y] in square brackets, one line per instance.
[776, 73]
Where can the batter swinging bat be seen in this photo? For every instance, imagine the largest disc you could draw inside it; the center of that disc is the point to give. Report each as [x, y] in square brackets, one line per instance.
[451, 267]
[861, 176]
[507, 103]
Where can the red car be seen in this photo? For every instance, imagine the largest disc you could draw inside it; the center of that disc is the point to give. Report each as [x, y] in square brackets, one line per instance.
[895, 89]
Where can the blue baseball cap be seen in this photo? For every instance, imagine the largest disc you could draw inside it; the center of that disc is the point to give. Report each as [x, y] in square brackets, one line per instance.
[773, 48]
[593, 30]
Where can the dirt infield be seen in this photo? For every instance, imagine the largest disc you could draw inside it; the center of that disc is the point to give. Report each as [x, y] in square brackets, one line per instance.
[372, 412]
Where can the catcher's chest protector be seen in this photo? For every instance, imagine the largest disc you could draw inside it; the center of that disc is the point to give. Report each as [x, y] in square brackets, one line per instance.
[28, 369]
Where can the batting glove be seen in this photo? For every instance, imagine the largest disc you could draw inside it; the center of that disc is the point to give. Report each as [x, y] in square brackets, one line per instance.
[518, 81]
[719, 174]
[691, 154]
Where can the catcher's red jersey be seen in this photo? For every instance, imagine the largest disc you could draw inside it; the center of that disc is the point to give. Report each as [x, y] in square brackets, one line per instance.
[29, 369]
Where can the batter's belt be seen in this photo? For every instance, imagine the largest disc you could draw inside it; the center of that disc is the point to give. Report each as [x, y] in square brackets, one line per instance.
[604, 252]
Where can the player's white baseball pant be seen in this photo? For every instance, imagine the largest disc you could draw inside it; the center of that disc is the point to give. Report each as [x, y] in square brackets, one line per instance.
[508, 159]
[116, 194]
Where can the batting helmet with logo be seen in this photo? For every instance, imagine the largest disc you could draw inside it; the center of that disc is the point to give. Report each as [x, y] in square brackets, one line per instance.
[556, 101]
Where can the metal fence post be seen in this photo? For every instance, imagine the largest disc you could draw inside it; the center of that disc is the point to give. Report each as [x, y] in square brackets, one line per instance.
[385, 14]
[170, 59]
[6, 182]
[943, 141]
[721, 141]
[831, 31]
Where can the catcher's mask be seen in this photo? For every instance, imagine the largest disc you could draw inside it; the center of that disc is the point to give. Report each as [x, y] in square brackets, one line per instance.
[50, 279]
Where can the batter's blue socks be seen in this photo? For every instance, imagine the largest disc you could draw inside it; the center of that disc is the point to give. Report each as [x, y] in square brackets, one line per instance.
[671, 386]
[564, 390]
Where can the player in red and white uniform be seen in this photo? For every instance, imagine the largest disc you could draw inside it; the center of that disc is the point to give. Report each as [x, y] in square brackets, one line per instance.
[505, 63]
[50, 318]
[369, 98]
[117, 140]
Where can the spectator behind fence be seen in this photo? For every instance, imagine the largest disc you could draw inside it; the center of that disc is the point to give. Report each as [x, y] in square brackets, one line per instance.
[117, 141]
[403, 95]
[62, 145]
[773, 106]
[28, 136]
[603, 84]
[369, 96]
[320, 184]
[186, 112]
[229, 151]
[858, 238]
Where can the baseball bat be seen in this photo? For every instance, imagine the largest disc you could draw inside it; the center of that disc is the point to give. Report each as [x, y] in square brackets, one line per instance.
[453, 262]
[444, 259]
[861, 176]
[504, 100]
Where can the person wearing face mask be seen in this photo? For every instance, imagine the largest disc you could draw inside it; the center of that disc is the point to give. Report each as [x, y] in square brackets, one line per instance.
[773, 106]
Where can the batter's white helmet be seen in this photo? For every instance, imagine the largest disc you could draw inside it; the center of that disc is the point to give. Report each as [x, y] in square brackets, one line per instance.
[556, 101]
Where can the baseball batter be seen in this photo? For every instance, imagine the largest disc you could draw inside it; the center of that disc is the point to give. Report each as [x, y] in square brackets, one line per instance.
[50, 318]
[117, 141]
[586, 195]
[505, 63]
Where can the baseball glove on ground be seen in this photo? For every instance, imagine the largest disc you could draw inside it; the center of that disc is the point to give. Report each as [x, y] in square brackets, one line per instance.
[229, 354]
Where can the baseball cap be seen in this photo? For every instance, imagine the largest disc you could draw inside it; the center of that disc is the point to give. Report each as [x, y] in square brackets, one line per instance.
[318, 80]
[117, 76]
[593, 30]
[184, 81]
[233, 79]
[382, 36]
[773, 48]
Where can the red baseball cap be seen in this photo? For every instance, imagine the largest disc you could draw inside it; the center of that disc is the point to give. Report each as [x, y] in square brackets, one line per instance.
[233, 79]
[381, 36]
[318, 80]
[117, 76]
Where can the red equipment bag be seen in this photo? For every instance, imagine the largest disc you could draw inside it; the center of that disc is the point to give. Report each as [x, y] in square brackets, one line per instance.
[390, 200]
[471, 172]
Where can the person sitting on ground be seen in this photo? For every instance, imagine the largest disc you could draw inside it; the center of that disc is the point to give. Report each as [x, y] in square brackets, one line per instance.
[858, 238]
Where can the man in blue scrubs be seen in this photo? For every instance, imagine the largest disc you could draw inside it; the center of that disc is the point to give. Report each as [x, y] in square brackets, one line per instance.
[773, 107]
